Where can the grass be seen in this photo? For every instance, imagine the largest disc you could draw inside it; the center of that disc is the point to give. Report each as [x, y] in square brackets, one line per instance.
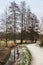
[24, 57]
[41, 42]
[28, 55]
[41, 45]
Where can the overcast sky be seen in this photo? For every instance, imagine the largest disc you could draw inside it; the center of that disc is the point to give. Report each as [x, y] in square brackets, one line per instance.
[36, 6]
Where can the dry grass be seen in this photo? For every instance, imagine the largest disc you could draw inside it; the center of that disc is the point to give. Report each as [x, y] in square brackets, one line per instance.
[9, 43]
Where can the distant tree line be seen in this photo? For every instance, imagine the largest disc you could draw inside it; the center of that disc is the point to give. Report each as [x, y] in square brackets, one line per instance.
[20, 22]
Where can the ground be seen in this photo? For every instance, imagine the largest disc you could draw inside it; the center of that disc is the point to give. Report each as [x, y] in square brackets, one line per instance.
[37, 54]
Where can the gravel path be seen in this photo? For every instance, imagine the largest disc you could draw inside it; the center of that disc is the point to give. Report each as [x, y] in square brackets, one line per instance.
[37, 54]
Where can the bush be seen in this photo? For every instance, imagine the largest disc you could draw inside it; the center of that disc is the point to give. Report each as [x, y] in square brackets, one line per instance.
[41, 41]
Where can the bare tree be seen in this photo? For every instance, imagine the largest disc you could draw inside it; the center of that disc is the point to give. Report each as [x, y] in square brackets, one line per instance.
[14, 13]
[23, 18]
[4, 21]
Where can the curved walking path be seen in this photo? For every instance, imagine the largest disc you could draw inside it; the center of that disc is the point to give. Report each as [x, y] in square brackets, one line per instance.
[37, 54]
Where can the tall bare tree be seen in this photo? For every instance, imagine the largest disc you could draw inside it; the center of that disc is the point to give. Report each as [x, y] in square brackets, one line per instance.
[23, 18]
[14, 13]
[5, 24]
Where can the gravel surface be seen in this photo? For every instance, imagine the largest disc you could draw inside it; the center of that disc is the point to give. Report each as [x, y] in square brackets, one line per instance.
[37, 54]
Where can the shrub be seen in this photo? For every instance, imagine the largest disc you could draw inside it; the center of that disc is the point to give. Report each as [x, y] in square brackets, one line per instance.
[41, 41]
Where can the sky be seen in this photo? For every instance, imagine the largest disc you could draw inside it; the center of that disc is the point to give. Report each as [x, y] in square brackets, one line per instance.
[36, 6]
